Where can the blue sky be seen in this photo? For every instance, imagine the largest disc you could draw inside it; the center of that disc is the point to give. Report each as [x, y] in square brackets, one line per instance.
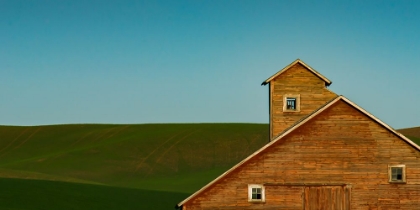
[200, 61]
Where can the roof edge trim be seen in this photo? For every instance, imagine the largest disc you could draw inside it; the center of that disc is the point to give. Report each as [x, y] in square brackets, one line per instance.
[327, 81]
[382, 123]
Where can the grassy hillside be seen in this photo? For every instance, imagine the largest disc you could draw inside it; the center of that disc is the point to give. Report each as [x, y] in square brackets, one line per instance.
[412, 133]
[151, 166]
[165, 157]
[41, 194]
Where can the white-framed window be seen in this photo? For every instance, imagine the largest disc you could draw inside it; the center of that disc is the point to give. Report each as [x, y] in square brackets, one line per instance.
[291, 103]
[396, 173]
[256, 193]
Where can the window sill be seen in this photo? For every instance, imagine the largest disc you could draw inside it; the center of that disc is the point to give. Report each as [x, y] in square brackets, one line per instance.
[397, 182]
[256, 201]
[288, 110]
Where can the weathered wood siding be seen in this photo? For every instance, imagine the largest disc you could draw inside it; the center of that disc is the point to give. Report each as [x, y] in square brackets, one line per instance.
[296, 80]
[340, 145]
[327, 198]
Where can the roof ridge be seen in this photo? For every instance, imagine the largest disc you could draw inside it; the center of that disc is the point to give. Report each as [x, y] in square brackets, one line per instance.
[316, 73]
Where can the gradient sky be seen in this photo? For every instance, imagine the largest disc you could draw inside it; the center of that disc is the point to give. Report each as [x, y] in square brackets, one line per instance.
[200, 61]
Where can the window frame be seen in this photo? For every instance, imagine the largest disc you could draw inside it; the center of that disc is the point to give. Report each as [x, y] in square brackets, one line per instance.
[252, 186]
[403, 177]
[297, 102]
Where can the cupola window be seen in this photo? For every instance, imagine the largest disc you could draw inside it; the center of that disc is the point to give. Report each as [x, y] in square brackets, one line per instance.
[291, 103]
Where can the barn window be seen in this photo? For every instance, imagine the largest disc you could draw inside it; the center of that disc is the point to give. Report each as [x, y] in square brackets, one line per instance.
[291, 103]
[396, 173]
[256, 193]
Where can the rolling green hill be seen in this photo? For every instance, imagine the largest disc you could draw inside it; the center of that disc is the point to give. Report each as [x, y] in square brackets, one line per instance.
[167, 157]
[42, 194]
[412, 133]
[92, 166]
[143, 164]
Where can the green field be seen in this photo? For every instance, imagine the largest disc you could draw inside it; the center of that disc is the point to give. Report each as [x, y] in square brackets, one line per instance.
[41, 194]
[151, 166]
[88, 164]
[415, 139]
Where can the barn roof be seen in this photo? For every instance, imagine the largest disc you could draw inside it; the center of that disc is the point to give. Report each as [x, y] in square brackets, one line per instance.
[327, 81]
[294, 127]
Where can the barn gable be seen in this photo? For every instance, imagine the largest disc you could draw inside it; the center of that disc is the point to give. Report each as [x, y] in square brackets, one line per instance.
[295, 92]
[298, 62]
[337, 149]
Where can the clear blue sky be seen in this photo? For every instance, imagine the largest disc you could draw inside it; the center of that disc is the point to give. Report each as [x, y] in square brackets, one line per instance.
[80, 61]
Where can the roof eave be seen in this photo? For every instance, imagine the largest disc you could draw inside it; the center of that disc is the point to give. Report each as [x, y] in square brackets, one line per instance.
[327, 81]
[267, 82]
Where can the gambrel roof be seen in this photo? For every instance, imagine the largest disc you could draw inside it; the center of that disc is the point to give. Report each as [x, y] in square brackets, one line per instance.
[294, 127]
[327, 81]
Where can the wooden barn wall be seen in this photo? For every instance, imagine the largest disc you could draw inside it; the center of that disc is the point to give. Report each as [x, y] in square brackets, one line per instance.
[341, 145]
[296, 80]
